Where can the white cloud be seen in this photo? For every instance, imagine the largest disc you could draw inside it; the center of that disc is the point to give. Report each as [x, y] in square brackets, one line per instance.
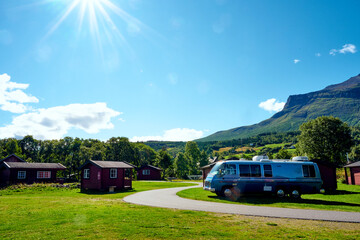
[296, 61]
[55, 122]
[176, 134]
[347, 48]
[272, 105]
[12, 98]
[318, 54]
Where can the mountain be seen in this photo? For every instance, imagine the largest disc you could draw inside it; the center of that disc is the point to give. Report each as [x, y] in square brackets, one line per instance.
[339, 100]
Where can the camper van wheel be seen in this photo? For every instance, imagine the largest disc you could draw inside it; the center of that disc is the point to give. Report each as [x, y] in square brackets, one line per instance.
[280, 193]
[227, 192]
[295, 194]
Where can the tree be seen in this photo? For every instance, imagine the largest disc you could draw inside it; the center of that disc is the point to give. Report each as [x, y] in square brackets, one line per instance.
[164, 160]
[12, 147]
[354, 155]
[193, 155]
[181, 166]
[283, 154]
[325, 138]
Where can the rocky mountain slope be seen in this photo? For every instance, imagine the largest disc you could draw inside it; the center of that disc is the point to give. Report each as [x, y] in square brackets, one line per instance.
[340, 100]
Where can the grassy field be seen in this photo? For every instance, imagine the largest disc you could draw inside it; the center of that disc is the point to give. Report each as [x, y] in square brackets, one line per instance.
[346, 198]
[52, 213]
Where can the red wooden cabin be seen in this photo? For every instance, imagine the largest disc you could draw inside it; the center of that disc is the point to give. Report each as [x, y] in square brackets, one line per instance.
[14, 170]
[106, 175]
[352, 173]
[148, 172]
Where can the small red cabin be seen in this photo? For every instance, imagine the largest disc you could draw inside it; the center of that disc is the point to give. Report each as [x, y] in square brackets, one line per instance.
[106, 175]
[328, 174]
[352, 173]
[14, 170]
[148, 172]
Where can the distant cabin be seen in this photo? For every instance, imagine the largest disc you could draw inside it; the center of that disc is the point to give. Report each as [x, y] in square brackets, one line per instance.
[148, 172]
[14, 170]
[106, 175]
[352, 173]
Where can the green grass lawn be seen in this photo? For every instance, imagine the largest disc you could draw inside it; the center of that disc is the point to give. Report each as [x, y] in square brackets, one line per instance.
[51, 213]
[346, 198]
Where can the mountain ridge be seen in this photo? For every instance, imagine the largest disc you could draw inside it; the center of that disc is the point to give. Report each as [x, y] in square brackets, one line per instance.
[339, 100]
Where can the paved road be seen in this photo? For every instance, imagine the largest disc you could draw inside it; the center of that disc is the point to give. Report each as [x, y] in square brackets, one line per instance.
[167, 198]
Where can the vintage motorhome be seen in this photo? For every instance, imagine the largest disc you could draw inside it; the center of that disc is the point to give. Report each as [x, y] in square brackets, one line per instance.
[281, 177]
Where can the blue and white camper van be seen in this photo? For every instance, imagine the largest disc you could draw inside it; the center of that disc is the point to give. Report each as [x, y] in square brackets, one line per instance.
[281, 177]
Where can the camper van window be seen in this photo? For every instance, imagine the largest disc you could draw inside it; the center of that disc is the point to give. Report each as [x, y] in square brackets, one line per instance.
[230, 169]
[267, 171]
[244, 170]
[308, 170]
[255, 171]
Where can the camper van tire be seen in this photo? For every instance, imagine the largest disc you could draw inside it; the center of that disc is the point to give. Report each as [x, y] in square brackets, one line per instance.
[295, 194]
[231, 193]
[280, 192]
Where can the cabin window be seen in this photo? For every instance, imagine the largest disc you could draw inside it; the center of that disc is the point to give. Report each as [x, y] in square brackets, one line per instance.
[255, 171]
[230, 169]
[21, 175]
[244, 170]
[87, 173]
[113, 173]
[267, 171]
[146, 172]
[43, 174]
[308, 170]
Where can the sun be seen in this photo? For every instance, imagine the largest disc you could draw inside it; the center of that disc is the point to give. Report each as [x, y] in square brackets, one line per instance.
[95, 16]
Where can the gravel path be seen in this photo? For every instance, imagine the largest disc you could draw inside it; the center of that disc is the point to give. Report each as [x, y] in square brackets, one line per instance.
[167, 198]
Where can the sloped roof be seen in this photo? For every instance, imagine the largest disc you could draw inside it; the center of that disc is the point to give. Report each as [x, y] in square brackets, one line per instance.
[26, 165]
[150, 166]
[355, 164]
[12, 155]
[108, 164]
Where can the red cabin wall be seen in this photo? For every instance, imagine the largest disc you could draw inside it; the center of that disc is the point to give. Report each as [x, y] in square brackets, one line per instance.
[356, 173]
[31, 176]
[94, 181]
[107, 181]
[155, 174]
[328, 176]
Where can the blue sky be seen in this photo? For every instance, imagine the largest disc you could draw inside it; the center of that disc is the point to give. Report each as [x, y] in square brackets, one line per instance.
[165, 69]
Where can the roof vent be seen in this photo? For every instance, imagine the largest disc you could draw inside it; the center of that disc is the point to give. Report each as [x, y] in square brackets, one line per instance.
[300, 159]
[259, 158]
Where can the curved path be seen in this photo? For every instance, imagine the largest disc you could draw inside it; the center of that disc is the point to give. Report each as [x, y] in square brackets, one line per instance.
[167, 198]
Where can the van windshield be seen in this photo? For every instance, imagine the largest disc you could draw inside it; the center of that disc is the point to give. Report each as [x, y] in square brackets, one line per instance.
[216, 168]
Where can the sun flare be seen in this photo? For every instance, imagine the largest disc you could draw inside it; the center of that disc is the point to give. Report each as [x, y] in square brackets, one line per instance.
[96, 17]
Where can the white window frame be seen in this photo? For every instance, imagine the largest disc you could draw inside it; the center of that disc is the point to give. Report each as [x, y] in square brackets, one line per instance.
[86, 173]
[146, 171]
[21, 175]
[38, 174]
[113, 172]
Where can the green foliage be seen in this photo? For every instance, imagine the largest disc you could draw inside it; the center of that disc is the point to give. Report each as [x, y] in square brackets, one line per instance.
[283, 154]
[354, 155]
[192, 153]
[325, 138]
[164, 160]
[181, 166]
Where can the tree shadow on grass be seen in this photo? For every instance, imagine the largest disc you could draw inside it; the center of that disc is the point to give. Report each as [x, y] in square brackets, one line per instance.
[269, 199]
[99, 192]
